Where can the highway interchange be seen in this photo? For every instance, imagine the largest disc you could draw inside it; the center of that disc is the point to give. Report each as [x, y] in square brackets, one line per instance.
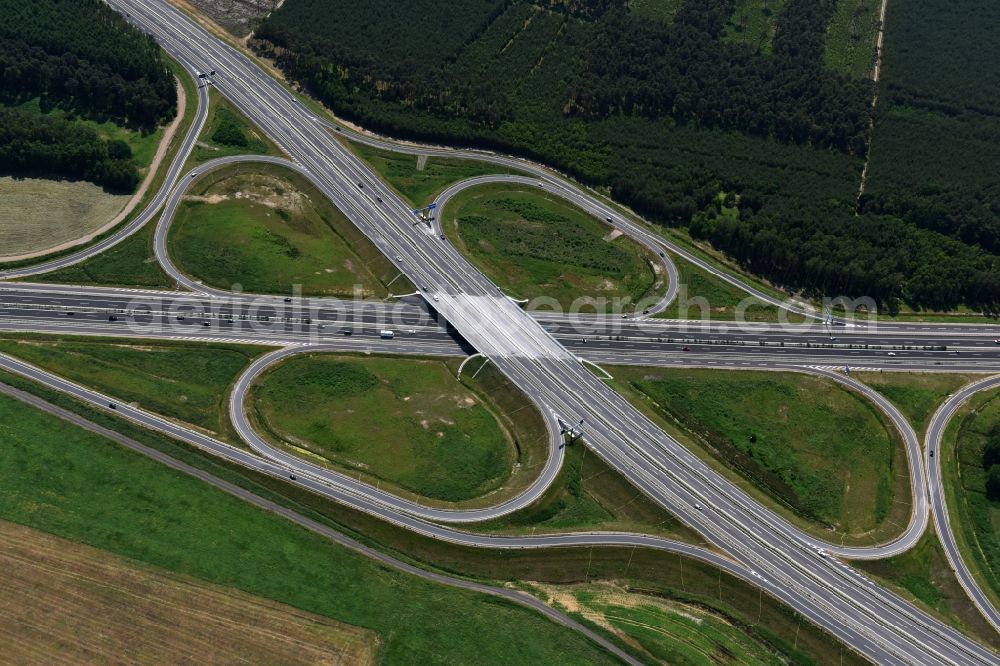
[539, 353]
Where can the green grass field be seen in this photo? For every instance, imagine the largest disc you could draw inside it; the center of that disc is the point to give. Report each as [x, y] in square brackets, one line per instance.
[60, 479]
[753, 23]
[667, 577]
[917, 395]
[185, 381]
[268, 229]
[417, 179]
[817, 448]
[535, 245]
[433, 436]
[210, 146]
[975, 518]
[851, 37]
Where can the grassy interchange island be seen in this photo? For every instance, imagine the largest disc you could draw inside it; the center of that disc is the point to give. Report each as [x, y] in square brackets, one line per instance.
[533, 244]
[404, 422]
[835, 464]
[968, 454]
[267, 228]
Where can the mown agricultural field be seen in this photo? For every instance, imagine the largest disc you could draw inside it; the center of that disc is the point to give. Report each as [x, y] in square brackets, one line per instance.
[532, 245]
[37, 214]
[434, 437]
[59, 594]
[268, 229]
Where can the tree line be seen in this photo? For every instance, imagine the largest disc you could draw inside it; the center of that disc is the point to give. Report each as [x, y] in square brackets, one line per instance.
[38, 145]
[82, 58]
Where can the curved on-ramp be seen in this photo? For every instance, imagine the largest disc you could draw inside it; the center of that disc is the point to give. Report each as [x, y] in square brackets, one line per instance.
[238, 403]
[590, 206]
[939, 506]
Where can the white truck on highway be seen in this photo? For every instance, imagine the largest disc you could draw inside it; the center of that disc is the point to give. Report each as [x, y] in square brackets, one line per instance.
[387, 335]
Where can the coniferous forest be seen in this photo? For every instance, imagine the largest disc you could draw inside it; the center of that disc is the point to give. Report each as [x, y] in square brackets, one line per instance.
[759, 151]
[81, 58]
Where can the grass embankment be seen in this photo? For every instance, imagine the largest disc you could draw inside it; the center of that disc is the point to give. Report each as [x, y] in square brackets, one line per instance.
[269, 230]
[59, 594]
[419, 179]
[533, 244]
[702, 296]
[923, 576]
[433, 436]
[817, 450]
[589, 495]
[228, 132]
[675, 578]
[110, 498]
[130, 263]
[975, 519]
[916, 395]
[667, 631]
[188, 382]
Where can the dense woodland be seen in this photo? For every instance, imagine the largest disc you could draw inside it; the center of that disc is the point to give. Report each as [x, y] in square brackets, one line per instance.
[82, 58]
[936, 146]
[759, 153]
